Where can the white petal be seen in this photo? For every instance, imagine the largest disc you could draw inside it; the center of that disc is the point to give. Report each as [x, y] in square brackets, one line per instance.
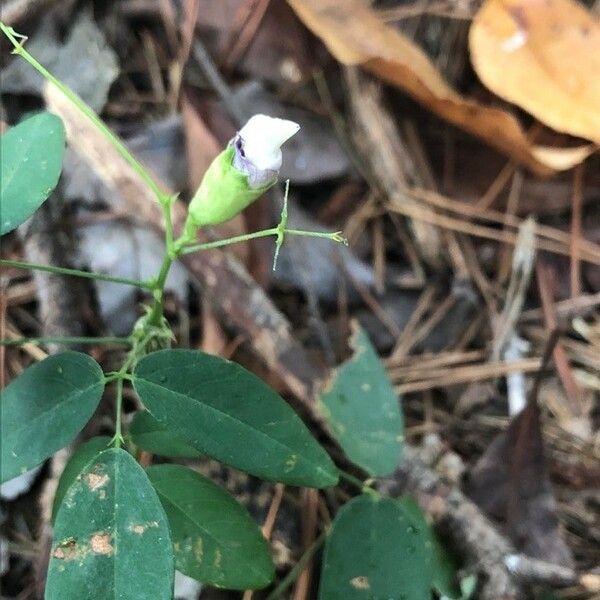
[262, 138]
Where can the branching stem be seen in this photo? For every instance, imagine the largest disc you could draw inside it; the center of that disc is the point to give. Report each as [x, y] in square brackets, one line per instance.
[66, 340]
[76, 273]
[17, 41]
[295, 572]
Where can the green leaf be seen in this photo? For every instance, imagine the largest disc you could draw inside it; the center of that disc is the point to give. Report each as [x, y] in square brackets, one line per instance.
[214, 538]
[225, 411]
[374, 551]
[150, 435]
[441, 565]
[362, 410]
[32, 155]
[81, 457]
[111, 536]
[45, 408]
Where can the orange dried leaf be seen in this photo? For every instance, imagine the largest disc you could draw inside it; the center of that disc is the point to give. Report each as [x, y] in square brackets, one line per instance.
[543, 55]
[355, 35]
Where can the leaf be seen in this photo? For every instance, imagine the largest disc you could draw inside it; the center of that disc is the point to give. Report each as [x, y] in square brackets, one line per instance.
[32, 155]
[355, 35]
[544, 57]
[225, 411]
[45, 408]
[81, 457]
[362, 410]
[510, 482]
[442, 567]
[374, 551]
[214, 538]
[150, 435]
[111, 537]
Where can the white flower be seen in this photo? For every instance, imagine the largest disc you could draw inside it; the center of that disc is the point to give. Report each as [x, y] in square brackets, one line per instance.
[258, 147]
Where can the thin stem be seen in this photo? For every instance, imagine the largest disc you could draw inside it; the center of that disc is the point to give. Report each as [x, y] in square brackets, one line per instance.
[159, 290]
[295, 572]
[12, 35]
[336, 236]
[170, 256]
[113, 376]
[361, 485]
[234, 240]
[118, 439]
[76, 273]
[283, 220]
[168, 226]
[120, 377]
[274, 231]
[66, 340]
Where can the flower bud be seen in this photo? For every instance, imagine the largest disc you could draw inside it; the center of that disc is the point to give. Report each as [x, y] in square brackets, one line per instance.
[241, 173]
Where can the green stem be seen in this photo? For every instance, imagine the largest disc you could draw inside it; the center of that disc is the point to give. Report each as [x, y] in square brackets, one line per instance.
[274, 231]
[12, 35]
[234, 240]
[295, 572]
[361, 485]
[113, 376]
[336, 236]
[171, 254]
[118, 439]
[76, 273]
[65, 340]
[120, 377]
[156, 311]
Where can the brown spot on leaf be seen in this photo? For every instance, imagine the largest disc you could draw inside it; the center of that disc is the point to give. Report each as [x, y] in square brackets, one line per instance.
[139, 528]
[360, 583]
[199, 550]
[66, 550]
[96, 481]
[100, 543]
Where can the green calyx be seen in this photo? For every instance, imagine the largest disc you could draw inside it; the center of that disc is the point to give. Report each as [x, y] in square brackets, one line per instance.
[223, 193]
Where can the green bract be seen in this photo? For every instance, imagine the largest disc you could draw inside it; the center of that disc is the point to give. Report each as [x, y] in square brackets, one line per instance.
[223, 193]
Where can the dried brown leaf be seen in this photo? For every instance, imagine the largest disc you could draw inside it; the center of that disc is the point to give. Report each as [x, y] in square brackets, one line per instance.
[510, 482]
[355, 35]
[543, 55]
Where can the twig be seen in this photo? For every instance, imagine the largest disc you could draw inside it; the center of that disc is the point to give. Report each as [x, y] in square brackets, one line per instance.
[565, 308]
[560, 358]
[267, 528]
[470, 530]
[287, 581]
[531, 570]
[458, 375]
[200, 53]
[576, 230]
[309, 529]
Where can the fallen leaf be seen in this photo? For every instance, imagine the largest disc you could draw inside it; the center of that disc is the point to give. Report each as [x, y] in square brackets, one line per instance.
[544, 56]
[510, 482]
[355, 35]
